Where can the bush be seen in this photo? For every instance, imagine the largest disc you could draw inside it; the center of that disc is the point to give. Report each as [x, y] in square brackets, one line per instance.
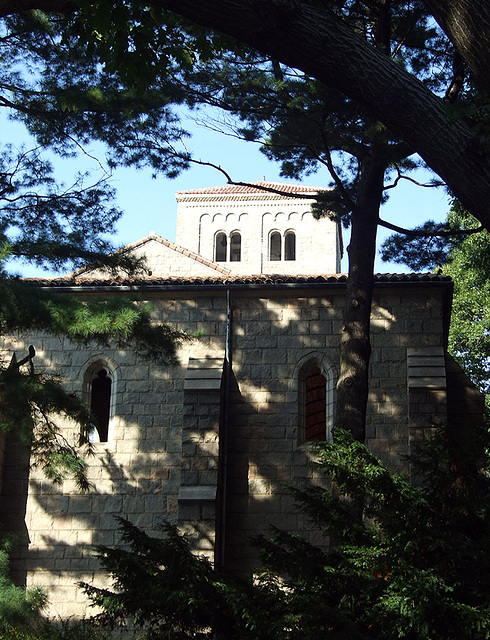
[406, 562]
[59, 630]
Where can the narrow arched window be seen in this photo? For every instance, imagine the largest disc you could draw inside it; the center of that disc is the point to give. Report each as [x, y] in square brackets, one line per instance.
[275, 246]
[220, 246]
[100, 403]
[290, 246]
[316, 406]
[316, 398]
[235, 247]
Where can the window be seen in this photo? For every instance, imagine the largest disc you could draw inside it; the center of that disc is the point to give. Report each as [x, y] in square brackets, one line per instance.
[290, 245]
[235, 247]
[316, 380]
[99, 393]
[100, 403]
[220, 246]
[316, 405]
[275, 246]
[280, 246]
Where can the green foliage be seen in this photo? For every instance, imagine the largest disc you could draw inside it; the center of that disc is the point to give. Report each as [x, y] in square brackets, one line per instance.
[30, 402]
[143, 42]
[18, 606]
[469, 267]
[28, 405]
[58, 630]
[307, 126]
[172, 593]
[121, 322]
[54, 81]
[423, 252]
[403, 562]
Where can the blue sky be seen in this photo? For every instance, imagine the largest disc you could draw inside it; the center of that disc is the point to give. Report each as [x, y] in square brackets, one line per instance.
[149, 204]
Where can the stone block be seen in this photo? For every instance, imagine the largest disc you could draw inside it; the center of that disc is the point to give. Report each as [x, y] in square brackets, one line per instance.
[154, 504]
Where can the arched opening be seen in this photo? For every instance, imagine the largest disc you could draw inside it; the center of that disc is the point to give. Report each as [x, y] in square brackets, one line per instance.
[100, 403]
[235, 247]
[220, 247]
[99, 392]
[290, 245]
[275, 246]
[316, 405]
[316, 397]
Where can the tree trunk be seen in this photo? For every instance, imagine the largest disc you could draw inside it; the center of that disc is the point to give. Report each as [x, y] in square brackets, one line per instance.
[316, 41]
[355, 346]
[313, 39]
[462, 21]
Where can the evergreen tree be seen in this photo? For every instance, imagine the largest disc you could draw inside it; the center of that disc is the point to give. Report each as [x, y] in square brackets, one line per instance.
[17, 606]
[415, 567]
[305, 125]
[54, 82]
[96, 66]
[317, 37]
[56, 85]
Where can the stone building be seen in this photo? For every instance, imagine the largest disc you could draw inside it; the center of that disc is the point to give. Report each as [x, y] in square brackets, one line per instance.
[211, 443]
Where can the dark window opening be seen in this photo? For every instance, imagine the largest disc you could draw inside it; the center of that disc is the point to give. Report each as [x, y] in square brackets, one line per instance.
[316, 406]
[100, 404]
[290, 246]
[220, 247]
[235, 247]
[275, 246]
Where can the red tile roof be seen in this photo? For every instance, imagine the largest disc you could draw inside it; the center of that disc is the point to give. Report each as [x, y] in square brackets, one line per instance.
[231, 280]
[262, 187]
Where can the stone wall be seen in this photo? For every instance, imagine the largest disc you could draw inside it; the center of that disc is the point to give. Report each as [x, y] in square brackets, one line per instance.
[163, 459]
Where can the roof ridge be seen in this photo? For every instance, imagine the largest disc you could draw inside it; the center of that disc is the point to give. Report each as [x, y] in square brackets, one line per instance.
[253, 187]
[142, 241]
[230, 278]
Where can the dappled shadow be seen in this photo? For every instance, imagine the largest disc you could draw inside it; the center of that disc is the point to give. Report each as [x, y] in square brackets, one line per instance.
[13, 504]
[140, 473]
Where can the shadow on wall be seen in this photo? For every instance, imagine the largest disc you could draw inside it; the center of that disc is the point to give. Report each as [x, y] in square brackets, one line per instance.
[139, 474]
[68, 524]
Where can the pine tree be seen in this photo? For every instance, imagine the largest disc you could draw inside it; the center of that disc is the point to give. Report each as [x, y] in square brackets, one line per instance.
[416, 566]
[305, 125]
[100, 79]
[17, 606]
[54, 82]
[57, 87]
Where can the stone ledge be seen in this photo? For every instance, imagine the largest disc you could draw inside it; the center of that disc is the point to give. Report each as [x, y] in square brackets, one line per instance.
[197, 494]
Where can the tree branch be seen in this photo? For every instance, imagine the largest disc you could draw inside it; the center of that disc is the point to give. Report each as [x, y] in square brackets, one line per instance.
[319, 43]
[305, 36]
[420, 233]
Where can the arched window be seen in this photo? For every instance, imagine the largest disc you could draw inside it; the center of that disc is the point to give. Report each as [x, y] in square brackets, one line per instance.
[275, 246]
[316, 379]
[235, 247]
[316, 405]
[290, 245]
[220, 246]
[99, 393]
[100, 403]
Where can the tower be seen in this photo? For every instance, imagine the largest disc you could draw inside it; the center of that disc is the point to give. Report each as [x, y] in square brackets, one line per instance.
[265, 228]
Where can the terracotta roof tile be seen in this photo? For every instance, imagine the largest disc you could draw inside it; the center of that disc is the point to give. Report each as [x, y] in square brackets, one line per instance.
[267, 187]
[229, 279]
